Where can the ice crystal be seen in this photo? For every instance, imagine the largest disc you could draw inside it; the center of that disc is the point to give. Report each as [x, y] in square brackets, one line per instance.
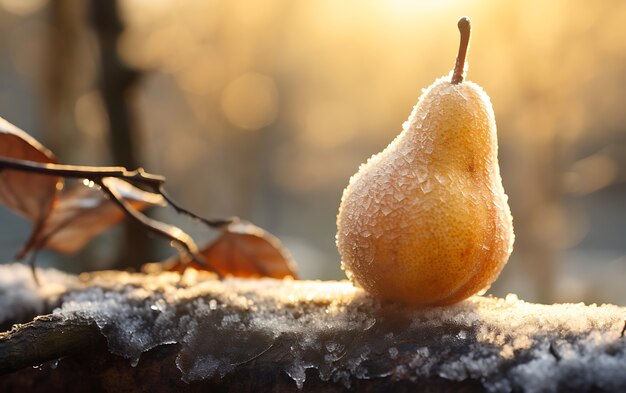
[338, 332]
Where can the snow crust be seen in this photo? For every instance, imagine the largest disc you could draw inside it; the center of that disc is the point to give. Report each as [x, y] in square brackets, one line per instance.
[21, 298]
[338, 332]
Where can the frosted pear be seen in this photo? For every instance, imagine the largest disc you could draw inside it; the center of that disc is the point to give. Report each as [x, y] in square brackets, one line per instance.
[426, 221]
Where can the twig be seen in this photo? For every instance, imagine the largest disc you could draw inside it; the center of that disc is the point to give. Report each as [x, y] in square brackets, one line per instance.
[138, 177]
[176, 235]
[215, 223]
[96, 174]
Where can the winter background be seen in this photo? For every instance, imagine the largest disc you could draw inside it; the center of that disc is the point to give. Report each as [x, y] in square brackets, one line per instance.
[265, 109]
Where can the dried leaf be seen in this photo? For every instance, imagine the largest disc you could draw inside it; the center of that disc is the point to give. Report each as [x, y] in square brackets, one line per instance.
[84, 212]
[28, 194]
[245, 250]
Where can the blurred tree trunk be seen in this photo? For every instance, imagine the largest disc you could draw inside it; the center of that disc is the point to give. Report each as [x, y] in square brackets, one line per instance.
[67, 73]
[117, 86]
[61, 90]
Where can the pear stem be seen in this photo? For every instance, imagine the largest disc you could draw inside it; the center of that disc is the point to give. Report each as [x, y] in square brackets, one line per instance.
[465, 29]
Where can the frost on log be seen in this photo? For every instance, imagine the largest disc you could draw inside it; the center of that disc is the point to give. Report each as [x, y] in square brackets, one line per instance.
[116, 331]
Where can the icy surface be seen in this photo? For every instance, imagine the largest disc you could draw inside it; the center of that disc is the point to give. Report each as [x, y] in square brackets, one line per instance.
[21, 298]
[336, 331]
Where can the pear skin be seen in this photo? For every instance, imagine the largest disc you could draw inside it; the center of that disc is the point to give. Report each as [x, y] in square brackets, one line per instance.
[426, 221]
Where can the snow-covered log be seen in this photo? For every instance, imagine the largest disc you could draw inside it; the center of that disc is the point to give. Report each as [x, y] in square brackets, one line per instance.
[117, 331]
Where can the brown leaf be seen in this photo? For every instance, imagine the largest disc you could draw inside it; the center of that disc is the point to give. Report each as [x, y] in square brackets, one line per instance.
[245, 250]
[84, 212]
[30, 195]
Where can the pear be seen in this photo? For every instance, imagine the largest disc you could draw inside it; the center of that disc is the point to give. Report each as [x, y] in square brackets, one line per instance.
[426, 221]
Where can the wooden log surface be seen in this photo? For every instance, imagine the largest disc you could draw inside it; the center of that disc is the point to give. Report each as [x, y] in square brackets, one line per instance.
[135, 332]
[86, 365]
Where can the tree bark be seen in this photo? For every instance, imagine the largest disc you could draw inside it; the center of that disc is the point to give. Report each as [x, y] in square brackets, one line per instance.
[87, 365]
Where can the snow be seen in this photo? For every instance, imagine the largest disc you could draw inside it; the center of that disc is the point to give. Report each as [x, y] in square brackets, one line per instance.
[335, 330]
[21, 298]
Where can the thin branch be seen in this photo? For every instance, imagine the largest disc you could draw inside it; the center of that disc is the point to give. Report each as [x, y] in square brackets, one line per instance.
[157, 227]
[176, 235]
[96, 174]
[215, 223]
[138, 176]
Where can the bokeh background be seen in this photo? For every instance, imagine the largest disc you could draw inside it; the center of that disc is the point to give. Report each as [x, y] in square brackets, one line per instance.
[263, 109]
